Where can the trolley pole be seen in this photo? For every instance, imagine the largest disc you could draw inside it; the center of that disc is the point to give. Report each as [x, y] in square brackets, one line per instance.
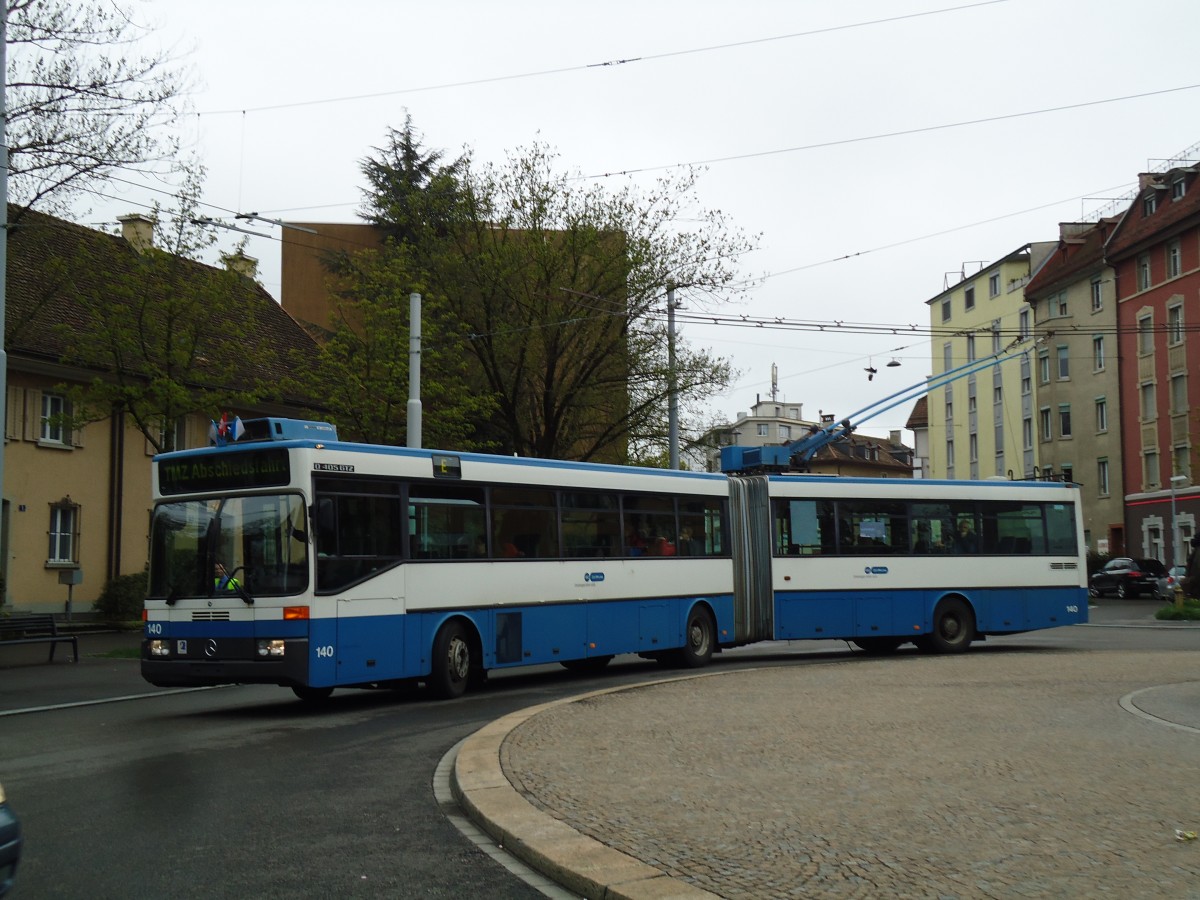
[414, 371]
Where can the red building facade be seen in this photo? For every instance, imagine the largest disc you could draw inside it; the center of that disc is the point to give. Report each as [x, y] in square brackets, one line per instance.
[1155, 255]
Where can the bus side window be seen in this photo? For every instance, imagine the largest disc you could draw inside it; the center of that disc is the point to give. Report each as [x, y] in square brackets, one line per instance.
[326, 527]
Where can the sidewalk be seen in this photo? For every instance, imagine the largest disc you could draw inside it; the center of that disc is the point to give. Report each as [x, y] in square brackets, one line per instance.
[1003, 774]
[28, 681]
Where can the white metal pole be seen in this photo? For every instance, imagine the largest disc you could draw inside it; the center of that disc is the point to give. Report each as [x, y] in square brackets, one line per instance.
[414, 370]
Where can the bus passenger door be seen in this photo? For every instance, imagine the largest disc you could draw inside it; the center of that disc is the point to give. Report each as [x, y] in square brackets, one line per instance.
[370, 639]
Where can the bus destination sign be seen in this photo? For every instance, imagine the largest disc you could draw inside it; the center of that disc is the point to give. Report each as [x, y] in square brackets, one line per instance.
[225, 471]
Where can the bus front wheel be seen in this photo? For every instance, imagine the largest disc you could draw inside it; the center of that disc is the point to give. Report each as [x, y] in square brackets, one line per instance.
[953, 628]
[451, 661]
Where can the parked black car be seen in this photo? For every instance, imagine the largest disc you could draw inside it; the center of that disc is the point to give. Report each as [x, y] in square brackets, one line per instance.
[10, 845]
[1128, 578]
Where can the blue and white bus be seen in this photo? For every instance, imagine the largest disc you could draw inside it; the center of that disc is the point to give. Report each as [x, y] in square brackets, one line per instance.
[291, 558]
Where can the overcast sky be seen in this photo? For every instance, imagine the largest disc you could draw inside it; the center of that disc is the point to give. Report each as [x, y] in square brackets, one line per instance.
[821, 121]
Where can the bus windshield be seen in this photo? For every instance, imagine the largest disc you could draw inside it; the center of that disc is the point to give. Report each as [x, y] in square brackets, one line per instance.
[239, 547]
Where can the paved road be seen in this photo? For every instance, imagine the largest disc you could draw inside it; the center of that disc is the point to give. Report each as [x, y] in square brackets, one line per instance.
[1016, 770]
[1010, 771]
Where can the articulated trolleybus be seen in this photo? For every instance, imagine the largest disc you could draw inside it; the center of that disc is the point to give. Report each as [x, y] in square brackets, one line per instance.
[291, 558]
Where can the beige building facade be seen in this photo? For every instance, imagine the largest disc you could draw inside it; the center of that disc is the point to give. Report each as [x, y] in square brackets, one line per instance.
[981, 411]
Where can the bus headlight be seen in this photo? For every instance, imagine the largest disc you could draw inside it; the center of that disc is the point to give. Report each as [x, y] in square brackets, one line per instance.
[270, 648]
[159, 648]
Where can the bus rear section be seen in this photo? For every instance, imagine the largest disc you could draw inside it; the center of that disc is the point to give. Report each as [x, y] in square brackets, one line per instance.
[882, 563]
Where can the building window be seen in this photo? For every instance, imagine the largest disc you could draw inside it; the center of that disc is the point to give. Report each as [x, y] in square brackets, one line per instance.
[1179, 397]
[1175, 324]
[1181, 460]
[969, 299]
[994, 284]
[1064, 363]
[1146, 392]
[1174, 266]
[973, 446]
[764, 430]
[995, 338]
[1101, 414]
[1150, 471]
[1043, 367]
[946, 310]
[1097, 295]
[950, 453]
[1143, 271]
[1064, 420]
[970, 348]
[1098, 353]
[794, 412]
[998, 437]
[1044, 424]
[1102, 477]
[1068, 472]
[1149, 204]
[1027, 433]
[785, 432]
[1026, 385]
[1060, 304]
[997, 396]
[1145, 326]
[1178, 188]
[54, 413]
[1023, 324]
[64, 532]
[947, 357]
[971, 403]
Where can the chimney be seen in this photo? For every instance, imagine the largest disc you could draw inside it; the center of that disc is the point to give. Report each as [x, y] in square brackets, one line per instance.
[138, 230]
[894, 437]
[241, 263]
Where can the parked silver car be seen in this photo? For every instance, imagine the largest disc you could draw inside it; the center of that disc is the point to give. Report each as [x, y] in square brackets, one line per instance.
[1166, 583]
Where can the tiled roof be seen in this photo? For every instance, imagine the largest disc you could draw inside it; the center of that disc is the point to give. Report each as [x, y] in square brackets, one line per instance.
[51, 262]
[1074, 257]
[919, 417]
[1136, 230]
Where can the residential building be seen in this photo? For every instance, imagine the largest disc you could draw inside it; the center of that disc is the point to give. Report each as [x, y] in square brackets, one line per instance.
[775, 423]
[918, 424]
[979, 423]
[1076, 422]
[1155, 255]
[76, 498]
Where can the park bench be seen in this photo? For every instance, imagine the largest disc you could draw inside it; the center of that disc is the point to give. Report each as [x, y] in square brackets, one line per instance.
[34, 628]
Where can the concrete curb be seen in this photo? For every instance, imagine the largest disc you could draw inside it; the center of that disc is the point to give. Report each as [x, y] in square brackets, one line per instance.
[577, 862]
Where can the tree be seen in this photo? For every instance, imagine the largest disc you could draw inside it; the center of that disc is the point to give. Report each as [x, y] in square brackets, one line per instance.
[78, 108]
[166, 334]
[362, 369]
[559, 286]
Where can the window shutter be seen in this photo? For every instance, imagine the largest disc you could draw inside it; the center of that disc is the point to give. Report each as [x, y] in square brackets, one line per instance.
[14, 413]
[77, 436]
[33, 415]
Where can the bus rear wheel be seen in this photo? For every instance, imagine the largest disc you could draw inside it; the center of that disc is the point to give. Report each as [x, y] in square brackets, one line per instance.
[700, 637]
[451, 661]
[953, 628]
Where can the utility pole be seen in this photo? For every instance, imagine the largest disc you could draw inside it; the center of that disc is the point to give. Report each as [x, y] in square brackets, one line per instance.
[672, 386]
[3, 246]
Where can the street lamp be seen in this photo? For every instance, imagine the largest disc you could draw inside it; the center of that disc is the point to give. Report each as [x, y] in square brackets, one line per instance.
[1175, 479]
